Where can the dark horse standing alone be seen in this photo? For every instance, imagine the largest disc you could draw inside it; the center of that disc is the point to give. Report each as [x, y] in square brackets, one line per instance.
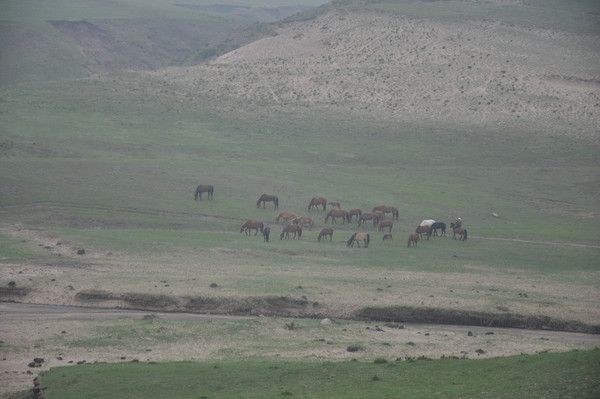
[204, 189]
[267, 198]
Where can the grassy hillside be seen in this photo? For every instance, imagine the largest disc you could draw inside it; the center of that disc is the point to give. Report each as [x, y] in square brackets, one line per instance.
[111, 165]
[429, 61]
[66, 39]
[549, 375]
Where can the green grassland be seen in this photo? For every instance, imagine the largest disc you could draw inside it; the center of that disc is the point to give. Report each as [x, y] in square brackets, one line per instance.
[549, 375]
[111, 164]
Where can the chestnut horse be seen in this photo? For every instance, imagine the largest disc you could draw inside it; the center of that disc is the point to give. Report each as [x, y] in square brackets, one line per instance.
[420, 230]
[357, 238]
[413, 239]
[267, 198]
[291, 228]
[304, 221]
[204, 189]
[374, 216]
[386, 224]
[286, 216]
[336, 213]
[327, 231]
[316, 201]
[354, 212]
[458, 230]
[387, 209]
[252, 225]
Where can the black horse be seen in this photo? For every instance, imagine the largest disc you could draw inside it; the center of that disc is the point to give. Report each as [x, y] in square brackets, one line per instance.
[268, 198]
[439, 226]
[204, 189]
[266, 232]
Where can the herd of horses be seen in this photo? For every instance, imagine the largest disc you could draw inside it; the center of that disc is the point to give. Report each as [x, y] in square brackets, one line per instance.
[294, 223]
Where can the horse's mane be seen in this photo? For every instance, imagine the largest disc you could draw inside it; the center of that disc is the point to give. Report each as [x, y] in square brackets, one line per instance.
[349, 242]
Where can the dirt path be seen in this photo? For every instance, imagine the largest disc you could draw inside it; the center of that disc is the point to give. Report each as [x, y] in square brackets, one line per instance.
[34, 312]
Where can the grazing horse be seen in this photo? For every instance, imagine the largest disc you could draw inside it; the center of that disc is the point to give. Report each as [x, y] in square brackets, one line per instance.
[266, 233]
[304, 221]
[357, 238]
[386, 224]
[387, 209]
[291, 228]
[327, 231]
[286, 216]
[420, 230]
[252, 225]
[336, 213]
[267, 198]
[316, 201]
[413, 239]
[335, 205]
[354, 212]
[204, 189]
[387, 237]
[374, 216]
[458, 230]
[439, 226]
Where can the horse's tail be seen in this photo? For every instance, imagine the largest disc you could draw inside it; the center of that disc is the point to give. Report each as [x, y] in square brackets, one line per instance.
[262, 227]
[349, 242]
[465, 234]
[368, 240]
[196, 195]
[319, 237]
[258, 202]
[276, 202]
[281, 236]
[299, 232]
[243, 227]
[409, 239]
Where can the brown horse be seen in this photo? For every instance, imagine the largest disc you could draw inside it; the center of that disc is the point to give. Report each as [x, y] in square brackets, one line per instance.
[387, 237]
[386, 224]
[354, 212]
[374, 216]
[357, 238]
[316, 202]
[286, 216]
[387, 209]
[336, 213]
[420, 230]
[291, 228]
[304, 221]
[252, 225]
[335, 205]
[413, 239]
[459, 231]
[267, 198]
[204, 189]
[327, 231]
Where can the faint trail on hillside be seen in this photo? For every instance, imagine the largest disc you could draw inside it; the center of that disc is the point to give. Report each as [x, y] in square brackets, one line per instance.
[566, 244]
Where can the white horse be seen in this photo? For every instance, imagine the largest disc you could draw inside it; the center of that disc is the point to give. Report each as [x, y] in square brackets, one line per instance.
[427, 223]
